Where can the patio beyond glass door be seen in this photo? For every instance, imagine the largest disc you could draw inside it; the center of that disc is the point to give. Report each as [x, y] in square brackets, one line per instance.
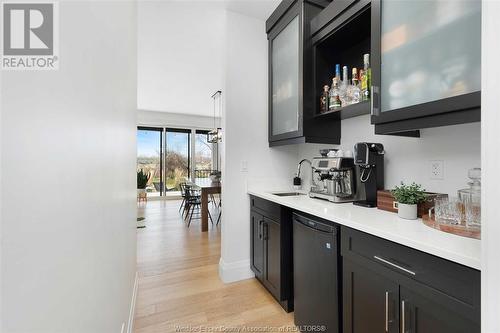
[177, 157]
[203, 155]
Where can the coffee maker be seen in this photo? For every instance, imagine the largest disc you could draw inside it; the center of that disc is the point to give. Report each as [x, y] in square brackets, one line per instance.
[369, 157]
[334, 179]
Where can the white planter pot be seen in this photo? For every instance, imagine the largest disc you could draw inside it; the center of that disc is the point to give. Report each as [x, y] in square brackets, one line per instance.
[408, 212]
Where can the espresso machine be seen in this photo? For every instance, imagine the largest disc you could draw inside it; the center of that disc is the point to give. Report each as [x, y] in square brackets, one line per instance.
[369, 157]
[335, 179]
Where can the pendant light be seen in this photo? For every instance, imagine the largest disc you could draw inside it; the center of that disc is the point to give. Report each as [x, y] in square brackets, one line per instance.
[215, 135]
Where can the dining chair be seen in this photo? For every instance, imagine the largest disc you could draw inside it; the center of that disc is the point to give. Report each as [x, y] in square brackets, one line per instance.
[182, 187]
[193, 201]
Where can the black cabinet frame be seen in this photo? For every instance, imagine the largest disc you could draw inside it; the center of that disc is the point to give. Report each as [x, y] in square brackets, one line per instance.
[455, 110]
[325, 25]
[291, 14]
[310, 129]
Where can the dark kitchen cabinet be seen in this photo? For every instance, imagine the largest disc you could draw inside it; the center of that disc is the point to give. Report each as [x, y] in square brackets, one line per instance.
[257, 244]
[370, 300]
[388, 287]
[271, 249]
[426, 64]
[291, 92]
[421, 313]
[272, 256]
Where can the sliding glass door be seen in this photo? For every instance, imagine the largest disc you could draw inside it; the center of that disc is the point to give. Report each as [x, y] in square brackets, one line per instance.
[149, 157]
[177, 158]
[203, 155]
[173, 155]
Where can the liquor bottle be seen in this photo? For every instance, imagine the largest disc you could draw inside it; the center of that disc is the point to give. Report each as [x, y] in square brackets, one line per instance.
[334, 99]
[337, 72]
[344, 98]
[323, 101]
[354, 90]
[366, 79]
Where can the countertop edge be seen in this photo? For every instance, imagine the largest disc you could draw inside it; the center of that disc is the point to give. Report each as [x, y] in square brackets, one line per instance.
[458, 258]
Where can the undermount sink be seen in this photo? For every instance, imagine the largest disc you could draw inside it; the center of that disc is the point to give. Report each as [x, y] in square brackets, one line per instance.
[288, 194]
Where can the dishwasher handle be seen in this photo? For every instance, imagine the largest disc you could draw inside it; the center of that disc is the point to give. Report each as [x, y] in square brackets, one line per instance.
[313, 224]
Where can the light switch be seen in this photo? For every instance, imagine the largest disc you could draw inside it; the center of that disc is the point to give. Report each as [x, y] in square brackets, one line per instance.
[244, 166]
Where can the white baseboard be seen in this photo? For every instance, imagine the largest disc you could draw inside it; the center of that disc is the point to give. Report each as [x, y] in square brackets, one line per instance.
[131, 314]
[235, 271]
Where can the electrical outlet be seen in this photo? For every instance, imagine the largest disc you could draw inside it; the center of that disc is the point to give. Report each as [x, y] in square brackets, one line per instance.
[436, 169]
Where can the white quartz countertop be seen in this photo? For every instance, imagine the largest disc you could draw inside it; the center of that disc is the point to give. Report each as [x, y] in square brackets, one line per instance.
[387, 225]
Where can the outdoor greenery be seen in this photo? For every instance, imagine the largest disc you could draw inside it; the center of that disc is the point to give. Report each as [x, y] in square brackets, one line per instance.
[409, 194]
[176, 166]
[176, 170]
[142, 179]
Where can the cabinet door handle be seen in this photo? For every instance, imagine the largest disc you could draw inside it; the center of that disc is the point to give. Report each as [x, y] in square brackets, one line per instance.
[394, 265]
[266, 231]
[374, 111]
[371, 101]
[260, 229]
[387, 311]
[403, 317]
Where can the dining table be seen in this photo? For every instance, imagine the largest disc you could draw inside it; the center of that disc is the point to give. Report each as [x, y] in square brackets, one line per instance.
[207, 187]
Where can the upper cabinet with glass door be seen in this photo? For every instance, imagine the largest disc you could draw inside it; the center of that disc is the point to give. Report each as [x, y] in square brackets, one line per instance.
[290, 77]
[285, 79]
[426, 64]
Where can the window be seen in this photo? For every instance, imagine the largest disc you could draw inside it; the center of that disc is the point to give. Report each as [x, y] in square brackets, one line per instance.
[203, 155]
[149, 148]
[174, 155]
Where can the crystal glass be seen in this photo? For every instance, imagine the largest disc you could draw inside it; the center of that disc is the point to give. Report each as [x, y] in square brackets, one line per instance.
[449, 210]
[473, 214]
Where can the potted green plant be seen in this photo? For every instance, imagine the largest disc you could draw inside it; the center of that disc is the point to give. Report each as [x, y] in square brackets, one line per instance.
[142, 182]
[407, 198]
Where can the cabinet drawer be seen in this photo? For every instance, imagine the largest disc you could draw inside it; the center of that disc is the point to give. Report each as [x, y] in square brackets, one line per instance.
[267, 208]
[453, 279]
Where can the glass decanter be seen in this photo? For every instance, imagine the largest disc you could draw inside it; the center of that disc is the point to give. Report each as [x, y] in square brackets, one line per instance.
[471, 199]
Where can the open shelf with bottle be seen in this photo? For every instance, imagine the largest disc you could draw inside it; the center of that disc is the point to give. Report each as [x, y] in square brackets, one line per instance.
[344, 41]
[349, 111]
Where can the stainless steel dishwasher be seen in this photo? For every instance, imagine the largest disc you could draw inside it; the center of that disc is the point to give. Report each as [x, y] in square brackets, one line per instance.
[316, 274]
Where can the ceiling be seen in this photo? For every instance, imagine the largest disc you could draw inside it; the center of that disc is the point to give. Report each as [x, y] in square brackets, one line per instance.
[181, 51]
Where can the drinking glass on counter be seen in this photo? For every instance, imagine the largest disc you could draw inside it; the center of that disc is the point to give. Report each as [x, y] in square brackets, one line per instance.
[448, 210]
[473, 214]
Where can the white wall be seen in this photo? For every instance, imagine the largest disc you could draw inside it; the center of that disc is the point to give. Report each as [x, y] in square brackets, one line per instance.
[490, 272]
[245, 138]
[68, 169]
[178, 120]
[180, 51]
[407, 159]
[1, 201]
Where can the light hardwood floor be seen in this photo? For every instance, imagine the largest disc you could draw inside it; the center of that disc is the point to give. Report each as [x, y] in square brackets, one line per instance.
[179, 285]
